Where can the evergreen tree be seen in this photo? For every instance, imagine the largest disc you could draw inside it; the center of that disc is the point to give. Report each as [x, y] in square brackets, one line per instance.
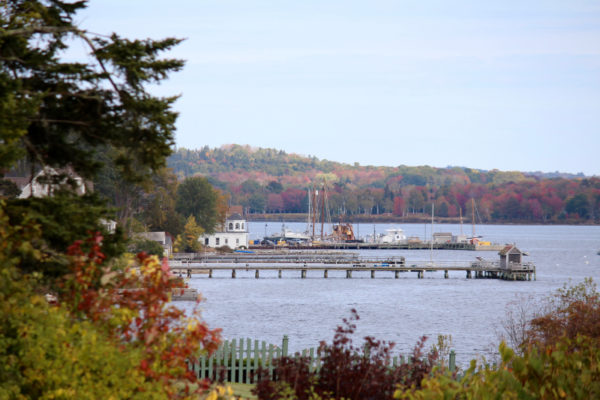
[76, 117]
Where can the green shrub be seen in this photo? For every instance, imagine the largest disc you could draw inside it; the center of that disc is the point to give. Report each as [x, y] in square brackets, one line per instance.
[147, 246]
[45, 355]
[559, 357]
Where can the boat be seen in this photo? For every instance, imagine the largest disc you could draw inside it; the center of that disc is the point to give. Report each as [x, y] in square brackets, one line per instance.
[288, 236]
[392, 236]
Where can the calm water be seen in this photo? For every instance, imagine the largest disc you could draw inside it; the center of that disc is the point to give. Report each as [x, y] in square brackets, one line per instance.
[400, 310]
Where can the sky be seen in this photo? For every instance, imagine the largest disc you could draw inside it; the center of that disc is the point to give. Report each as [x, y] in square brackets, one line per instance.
[508, 85]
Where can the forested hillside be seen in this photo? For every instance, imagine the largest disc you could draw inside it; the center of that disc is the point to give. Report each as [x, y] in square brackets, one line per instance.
[272, 181]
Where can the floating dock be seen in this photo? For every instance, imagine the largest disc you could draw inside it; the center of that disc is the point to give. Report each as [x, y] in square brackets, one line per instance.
[383, 246]
[373, 246]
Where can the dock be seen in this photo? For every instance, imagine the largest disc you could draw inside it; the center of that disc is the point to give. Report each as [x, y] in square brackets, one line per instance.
[510, 265]
[374, 267]
[373, 246]
[383, 246]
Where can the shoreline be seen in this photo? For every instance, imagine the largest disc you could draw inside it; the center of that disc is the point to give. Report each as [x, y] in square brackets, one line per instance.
[411, 219]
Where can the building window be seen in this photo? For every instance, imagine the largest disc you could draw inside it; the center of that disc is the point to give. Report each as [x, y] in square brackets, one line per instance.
[217, 241]
[237, 225]
[230, 225]
[206, 241]
[226, 241]
[237, 241]
[242, 225]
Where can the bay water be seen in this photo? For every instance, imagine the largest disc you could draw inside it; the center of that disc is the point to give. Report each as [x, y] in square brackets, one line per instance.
[399, 310]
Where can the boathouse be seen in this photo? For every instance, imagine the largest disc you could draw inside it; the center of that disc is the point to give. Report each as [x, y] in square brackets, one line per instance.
[511, 255]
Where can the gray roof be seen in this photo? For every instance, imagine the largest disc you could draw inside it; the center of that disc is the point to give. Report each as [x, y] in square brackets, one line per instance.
[234, 217]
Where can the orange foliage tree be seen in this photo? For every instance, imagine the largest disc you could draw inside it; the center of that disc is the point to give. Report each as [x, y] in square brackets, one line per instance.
[132, 306]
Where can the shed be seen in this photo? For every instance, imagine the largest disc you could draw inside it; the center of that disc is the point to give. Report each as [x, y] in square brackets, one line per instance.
[510, 254]
[442, 237]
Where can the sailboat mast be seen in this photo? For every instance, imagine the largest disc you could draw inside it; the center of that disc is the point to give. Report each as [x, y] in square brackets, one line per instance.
[473, 215]
[322, 211]
[431, 244]
[314, 212]
[309, 207]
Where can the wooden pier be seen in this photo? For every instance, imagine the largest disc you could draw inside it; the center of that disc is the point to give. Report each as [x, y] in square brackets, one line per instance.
[510, 266]
[475, 270]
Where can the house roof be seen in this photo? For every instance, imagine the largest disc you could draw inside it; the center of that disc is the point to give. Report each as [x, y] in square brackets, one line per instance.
[510, 249]
[156, 236]
[234, 217]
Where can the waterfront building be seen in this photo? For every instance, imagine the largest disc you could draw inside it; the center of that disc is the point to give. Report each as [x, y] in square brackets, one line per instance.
[162, 238]
[233, 234]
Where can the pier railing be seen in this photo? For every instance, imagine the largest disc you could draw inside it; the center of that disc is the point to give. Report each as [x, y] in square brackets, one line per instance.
[238, 361]
[288, 259]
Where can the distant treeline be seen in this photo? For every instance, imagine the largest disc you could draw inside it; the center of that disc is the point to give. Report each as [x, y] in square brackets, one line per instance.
[272, 181]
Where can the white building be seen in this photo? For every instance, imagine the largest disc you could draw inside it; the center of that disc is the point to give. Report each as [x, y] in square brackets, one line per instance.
[162, 238]
[48, 180]
[234, 235]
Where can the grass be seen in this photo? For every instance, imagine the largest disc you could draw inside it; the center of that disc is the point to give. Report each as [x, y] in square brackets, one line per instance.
[242, 390]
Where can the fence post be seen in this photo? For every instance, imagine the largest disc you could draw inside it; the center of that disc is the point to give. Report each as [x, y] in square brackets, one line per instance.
[263, 354]
[241, 363]
[233, 360]
[452, 361]
[284, 346]
[202, 372]
[226, 360]
[271, 361]
[211, 371]
[319, 355]
[255, 374]
[248, 359]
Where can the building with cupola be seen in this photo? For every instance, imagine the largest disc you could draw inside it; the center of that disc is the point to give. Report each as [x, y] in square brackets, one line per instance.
[233, 234]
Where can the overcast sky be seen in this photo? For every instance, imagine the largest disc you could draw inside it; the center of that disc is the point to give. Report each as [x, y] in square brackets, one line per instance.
[512, 85]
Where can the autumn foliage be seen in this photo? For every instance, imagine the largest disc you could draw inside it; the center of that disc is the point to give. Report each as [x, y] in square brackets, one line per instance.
[271, 181]
[573, 311]
[131, 306]
[347, 371]
[559, 358]
[112, 332]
